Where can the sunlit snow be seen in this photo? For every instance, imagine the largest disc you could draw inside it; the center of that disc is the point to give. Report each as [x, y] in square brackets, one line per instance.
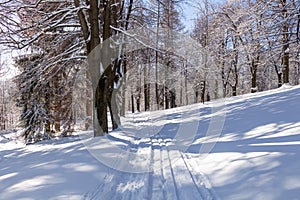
[256, 155]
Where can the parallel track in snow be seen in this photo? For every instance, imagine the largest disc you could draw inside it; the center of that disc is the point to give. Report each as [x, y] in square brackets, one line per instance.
[173, 172]
[188, 184]
[171, 177]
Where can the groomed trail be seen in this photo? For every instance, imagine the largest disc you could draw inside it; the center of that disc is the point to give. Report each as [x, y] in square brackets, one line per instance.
[170, 176]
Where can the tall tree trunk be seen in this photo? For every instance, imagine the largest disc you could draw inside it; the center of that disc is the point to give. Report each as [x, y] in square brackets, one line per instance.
[3, 116]
[279, 76]
[234, 90]
[235, 68]
[112, 95]
[196, 95]
[173, 98]
[181, 91]
[285, 48]
[123, 93]
[58, 104]
[185, 85]
[132, 103]
[202, 90]
[156, 59]
[93, 43]
[48, 107]
[166, 94]
[138, 104]
[223, 75]
[57, 116]
[254, 75]
[146, 89]
[101, 106]
[139, 91]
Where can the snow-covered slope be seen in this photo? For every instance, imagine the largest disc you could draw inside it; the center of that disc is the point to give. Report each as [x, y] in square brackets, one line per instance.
[257, 156]
[245, 147]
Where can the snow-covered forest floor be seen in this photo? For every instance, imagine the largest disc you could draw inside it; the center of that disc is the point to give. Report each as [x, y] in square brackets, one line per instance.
[255, 156]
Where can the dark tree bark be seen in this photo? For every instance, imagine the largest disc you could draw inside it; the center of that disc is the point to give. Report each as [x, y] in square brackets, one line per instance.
[202, 91]
[146, 89]
[253, 69]
[196, 96]
[235, 70]
[123, 92]
[285, 48]
[279, 76]
[138, 104]
[166, 96]
[112, 12]
[173, 98]
[48, 100]
[132, 103]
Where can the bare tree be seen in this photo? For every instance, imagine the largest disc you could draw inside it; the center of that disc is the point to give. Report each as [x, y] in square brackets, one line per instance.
[48, 35]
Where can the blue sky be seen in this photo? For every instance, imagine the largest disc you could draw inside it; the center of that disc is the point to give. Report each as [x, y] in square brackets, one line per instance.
[190, 11]
[190, 14]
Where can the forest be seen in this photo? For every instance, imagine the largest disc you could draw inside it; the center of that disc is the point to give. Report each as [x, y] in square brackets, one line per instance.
[86, 64]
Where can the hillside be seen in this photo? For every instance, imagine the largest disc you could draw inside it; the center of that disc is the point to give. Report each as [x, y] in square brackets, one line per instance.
[245, 147]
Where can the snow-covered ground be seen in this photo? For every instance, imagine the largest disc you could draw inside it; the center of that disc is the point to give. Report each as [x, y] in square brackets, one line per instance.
[245, 148]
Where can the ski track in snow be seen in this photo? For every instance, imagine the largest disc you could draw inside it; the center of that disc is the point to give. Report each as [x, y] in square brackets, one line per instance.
[170, 177]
